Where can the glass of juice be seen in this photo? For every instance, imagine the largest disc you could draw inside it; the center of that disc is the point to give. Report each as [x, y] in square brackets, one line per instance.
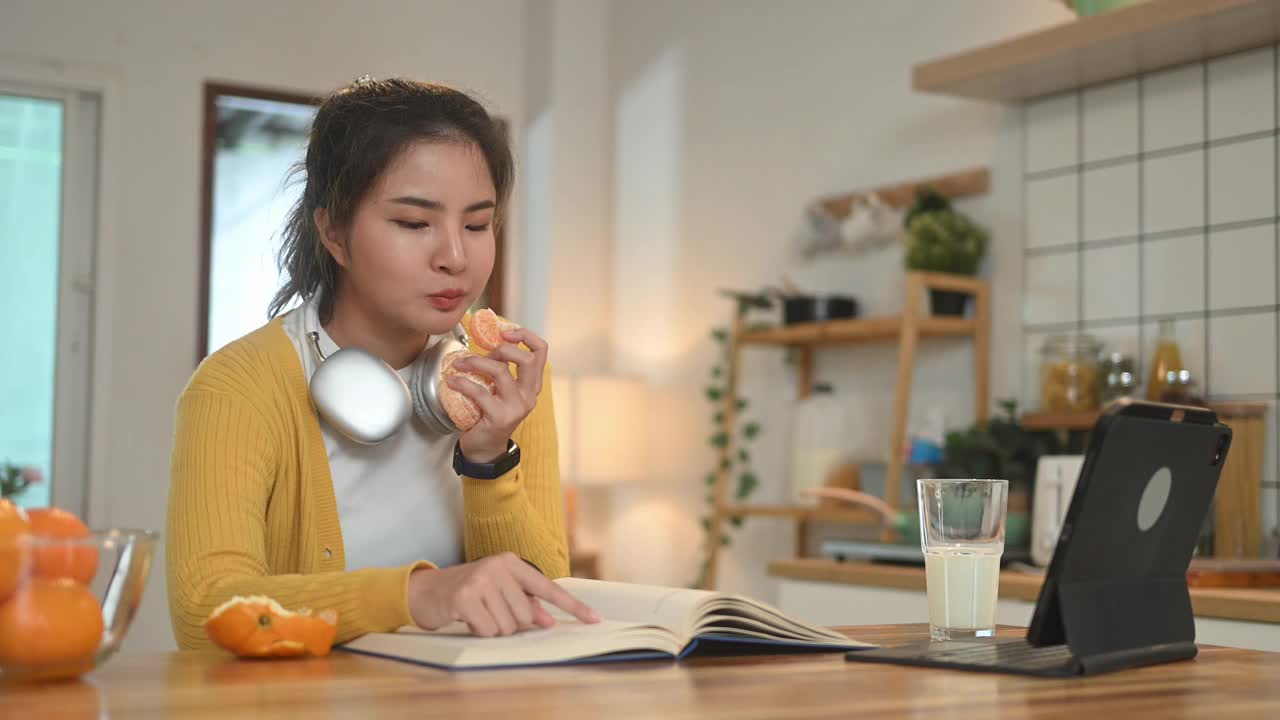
[962, 535]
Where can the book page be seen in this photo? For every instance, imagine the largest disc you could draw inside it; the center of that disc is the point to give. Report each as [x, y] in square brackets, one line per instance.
[675, 609]
[723, 612]
[455, 646]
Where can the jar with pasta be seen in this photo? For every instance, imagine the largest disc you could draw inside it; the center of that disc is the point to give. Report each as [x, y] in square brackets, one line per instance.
[1069, 374]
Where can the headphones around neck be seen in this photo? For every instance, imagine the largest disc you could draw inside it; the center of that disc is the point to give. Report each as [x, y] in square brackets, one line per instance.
[366, 400]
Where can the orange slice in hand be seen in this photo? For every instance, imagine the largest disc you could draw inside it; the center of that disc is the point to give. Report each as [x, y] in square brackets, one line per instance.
[78, 562]
[15, 561]
[462, 410]
[487, 329]
[257, 626]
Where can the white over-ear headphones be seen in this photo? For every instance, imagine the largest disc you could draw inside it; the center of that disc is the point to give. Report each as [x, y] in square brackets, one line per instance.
[365, 399]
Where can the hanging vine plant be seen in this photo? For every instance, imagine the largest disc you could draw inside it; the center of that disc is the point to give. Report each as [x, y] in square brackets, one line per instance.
[736, 465]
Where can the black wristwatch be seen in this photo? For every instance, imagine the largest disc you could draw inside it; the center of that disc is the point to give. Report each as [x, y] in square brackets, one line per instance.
[486, 471]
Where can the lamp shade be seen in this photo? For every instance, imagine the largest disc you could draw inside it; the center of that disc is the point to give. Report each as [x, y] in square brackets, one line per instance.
[602, 422]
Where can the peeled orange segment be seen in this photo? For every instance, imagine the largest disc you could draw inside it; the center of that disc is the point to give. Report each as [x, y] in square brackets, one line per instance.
[15, 557]
[462, 410]
[258, 626]
[77, 562]
[487, 329]
[50, 622]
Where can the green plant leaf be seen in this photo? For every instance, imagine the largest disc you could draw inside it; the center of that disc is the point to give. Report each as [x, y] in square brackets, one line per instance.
[750, 430]
[726, 463]
[716, 371]
[718, 417]
[710, 479]
[720, 335]
[720, 440]
[736, 521]
[744, 457]
[747, 483]
[724, 541]
[714, 394]
[706, 524]
[742, 404]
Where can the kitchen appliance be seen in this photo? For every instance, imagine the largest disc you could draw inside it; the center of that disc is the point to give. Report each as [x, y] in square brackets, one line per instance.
[1056, 477]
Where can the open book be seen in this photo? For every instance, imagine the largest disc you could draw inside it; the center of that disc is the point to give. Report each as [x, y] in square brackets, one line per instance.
[640, 621]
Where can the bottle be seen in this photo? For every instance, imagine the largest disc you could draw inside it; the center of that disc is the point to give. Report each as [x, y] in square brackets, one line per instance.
[819, 442]
[1167, 360]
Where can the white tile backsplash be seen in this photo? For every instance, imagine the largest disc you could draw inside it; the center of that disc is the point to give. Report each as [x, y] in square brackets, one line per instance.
[1127, 178]
[1053, 216]
[1173, 192]
[1242, 93]
[1242, 181]
[1121, 339]
[1110, 282]
[1242, 267]
[1243, 361]
[1111, 121]
[1173, 275]
[1052, 288]
[1173, 108]
[1053, 133]
[1111, 202]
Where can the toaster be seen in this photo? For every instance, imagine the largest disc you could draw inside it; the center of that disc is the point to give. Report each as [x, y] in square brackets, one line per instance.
[1056, 477]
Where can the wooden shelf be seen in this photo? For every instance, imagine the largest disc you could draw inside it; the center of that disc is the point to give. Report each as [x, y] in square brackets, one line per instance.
[1247, 604]
[1084, 420]
[802, 512]
[857, 330]
[905, 332]
[1118, 44]
[1081, 420]
[954, 186]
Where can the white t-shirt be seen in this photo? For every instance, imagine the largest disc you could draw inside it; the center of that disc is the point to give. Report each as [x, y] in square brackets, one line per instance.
[398, 501]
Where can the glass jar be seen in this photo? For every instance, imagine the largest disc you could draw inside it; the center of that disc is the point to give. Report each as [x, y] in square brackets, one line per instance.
[1119, 377]
[1069, 379]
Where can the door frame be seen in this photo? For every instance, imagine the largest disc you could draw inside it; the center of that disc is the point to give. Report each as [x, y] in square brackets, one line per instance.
[34, 75]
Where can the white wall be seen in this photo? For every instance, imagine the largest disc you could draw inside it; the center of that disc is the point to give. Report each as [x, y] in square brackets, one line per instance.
[162, 51]
[730, 117]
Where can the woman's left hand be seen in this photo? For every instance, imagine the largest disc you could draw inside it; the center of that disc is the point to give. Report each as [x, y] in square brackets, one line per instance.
[513, 398]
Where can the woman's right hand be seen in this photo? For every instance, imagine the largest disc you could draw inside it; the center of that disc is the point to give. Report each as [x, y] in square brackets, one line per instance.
[496, 595]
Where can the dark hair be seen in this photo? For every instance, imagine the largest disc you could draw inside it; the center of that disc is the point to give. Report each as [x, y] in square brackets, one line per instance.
[357, 132]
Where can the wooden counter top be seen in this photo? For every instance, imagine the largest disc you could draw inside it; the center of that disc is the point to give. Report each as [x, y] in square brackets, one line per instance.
[1220, 682]
[1229, 604]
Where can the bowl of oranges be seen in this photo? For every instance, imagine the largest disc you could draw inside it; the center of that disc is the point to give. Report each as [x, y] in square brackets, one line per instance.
[67, 594]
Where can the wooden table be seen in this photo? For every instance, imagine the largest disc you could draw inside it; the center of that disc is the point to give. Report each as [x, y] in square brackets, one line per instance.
[1220, 682]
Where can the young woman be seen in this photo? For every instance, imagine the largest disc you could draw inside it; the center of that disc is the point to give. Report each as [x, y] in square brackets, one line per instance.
[391, 241]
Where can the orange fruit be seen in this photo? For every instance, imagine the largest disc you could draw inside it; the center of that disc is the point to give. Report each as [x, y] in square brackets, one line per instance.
[15, 562]
[50, 621]
[78, 562]
[461, 409]
[258, 626]
[487, 328]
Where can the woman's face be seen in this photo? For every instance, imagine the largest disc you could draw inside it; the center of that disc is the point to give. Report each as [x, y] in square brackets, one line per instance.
[421, 244]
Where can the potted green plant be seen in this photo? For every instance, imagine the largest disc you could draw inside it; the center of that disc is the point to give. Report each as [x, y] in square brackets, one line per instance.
[943, 240]
[1001, 448]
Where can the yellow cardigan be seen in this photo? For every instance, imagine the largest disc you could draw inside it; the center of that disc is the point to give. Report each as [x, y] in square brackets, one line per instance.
[252, 508]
